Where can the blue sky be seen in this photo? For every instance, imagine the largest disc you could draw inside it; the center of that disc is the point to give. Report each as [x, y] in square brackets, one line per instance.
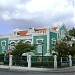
[4, 28]
[23, 14]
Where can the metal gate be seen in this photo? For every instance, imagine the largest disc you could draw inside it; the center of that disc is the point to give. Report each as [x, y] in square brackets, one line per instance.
[63, 61]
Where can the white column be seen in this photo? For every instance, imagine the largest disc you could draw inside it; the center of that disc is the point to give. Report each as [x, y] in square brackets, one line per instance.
[48, 53]
[10, 61]
[55, 62]
[29, 61]
[70, 60]
[32, 36]
[61, 59]
[48, 40]
[27, 57]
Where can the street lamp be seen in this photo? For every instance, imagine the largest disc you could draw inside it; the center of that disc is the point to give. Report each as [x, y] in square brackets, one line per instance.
[42, 52]
[4, 55]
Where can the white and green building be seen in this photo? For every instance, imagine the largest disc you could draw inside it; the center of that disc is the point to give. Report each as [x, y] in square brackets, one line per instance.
[45, 38]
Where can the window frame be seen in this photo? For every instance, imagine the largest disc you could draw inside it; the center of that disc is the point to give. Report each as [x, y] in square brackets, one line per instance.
[53, 41]
[3, 41]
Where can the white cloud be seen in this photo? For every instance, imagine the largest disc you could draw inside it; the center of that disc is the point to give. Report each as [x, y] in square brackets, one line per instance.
[5, 15]
[35, 6]
[8, 3]
[44, 12]
[16, 10]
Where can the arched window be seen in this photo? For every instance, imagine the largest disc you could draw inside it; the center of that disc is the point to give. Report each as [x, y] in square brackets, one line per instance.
[39, 48]
[53, 41]
[39, 43]
[12, 43]
[28, 41]
[3, 43]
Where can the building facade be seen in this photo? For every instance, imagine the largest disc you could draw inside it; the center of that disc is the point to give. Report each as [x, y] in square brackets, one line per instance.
[45, 38]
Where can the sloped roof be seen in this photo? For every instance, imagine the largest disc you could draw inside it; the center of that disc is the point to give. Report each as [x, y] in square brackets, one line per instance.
[39, 29]
[54, 28]
[23, 32]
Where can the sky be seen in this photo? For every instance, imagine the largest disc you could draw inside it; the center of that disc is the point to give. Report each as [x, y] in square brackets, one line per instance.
[24, 14]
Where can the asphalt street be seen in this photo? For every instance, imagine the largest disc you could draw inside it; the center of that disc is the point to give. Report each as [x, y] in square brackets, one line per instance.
[9, 72]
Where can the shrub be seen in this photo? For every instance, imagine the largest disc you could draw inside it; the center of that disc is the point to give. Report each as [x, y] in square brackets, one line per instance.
[43, 64]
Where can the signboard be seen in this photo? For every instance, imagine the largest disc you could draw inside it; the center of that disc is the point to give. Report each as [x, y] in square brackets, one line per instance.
[9, 51]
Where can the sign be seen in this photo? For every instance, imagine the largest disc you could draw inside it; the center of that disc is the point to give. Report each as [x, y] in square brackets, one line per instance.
[9, 51]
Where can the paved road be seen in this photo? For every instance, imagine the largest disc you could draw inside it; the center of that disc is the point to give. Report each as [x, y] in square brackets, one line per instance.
[8, 72]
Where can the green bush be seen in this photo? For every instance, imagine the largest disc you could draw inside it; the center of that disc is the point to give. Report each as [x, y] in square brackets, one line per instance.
[73, 61]
[6, 62]
[20, 64]
[43, 64]
[1, 57]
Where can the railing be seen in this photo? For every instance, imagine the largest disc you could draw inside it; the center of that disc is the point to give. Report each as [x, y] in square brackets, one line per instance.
[19, 61]
[48, 62]
[63, 62]
[73, 61]
[4, 60]
[36, 61]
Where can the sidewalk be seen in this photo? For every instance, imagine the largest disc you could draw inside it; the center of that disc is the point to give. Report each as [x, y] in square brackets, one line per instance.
[18, 68]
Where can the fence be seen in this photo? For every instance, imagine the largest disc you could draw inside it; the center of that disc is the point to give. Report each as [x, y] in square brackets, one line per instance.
[4, 60]
[19, 61]
[38, 61]
[73, 61]
[46, 61]
[63, 62]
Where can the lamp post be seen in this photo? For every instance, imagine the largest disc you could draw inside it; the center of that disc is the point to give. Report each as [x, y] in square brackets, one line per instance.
[4, 55]
[42, 53]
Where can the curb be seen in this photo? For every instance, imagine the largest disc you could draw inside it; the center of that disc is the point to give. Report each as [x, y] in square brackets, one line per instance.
[24, 69]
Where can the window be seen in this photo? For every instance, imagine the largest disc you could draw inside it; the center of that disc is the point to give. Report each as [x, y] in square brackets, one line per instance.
[3, 43]
[39, 49]
[3, 48]
[13, 43]
[18, 33]
[28, 42]
[53, 42]
[39, 41]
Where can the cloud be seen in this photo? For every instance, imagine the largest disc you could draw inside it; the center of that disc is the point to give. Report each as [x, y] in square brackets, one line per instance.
[14, 9]
[37, 13]
[35, 6]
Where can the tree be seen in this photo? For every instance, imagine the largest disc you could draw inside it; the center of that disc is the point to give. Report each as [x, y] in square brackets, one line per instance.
[67, 38]
[72, 49]
[62, 49]
[22, 47]
[72, 32]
